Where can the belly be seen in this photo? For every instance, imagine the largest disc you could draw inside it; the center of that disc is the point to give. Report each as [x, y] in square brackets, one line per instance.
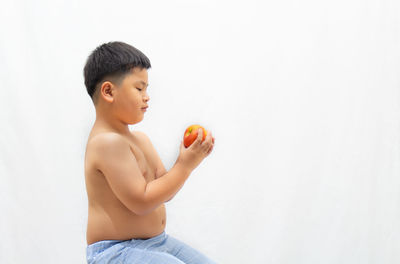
[122, 224]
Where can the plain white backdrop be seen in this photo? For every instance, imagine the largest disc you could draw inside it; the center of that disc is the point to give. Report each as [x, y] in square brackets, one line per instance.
[302, 97]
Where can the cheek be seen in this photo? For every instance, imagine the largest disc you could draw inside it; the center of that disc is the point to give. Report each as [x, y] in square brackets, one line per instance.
[134, 102]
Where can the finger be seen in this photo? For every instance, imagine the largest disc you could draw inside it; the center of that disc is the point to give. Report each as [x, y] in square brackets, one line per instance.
[209, 134]
[211, 148]
[208, 137]
[208, 145]
[200, 134]
[199, 137]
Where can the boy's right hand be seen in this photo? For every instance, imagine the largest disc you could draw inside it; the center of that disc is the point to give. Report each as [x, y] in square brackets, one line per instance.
[192, 156]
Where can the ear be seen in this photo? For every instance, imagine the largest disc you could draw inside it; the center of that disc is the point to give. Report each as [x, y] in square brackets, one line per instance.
[107, 91]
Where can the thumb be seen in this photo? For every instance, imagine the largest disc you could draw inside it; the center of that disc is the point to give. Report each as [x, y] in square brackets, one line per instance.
[199, 134]
[182, 145]
[197, 142]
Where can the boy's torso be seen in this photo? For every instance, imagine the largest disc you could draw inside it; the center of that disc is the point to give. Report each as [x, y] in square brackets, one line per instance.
[108, 218]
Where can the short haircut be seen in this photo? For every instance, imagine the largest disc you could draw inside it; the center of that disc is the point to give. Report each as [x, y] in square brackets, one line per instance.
[111, 60]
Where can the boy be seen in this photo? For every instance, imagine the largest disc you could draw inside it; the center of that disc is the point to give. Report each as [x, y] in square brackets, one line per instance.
[126, 182]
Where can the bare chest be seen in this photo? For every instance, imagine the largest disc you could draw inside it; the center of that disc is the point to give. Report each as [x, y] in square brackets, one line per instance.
[144, 160]
[139, 150]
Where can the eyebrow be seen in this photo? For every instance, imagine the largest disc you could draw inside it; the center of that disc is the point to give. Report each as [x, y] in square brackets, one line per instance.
[144, 83]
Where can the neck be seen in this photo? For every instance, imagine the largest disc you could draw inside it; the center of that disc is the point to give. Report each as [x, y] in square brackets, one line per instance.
[106, 120]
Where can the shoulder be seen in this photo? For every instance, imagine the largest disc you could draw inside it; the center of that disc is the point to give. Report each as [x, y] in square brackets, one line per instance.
[141, 137]
[107, 141]
[105, 148]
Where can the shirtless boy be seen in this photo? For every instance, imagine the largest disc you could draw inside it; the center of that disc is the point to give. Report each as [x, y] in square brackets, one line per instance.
[126, 182]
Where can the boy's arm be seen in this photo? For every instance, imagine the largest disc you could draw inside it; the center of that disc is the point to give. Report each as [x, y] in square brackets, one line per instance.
[120, 168]
[164, 188]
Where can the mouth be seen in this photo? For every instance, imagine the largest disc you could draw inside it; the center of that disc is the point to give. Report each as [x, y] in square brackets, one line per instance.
[144, 108]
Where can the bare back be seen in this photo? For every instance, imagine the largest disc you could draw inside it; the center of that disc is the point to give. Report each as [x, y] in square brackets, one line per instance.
[108, 217]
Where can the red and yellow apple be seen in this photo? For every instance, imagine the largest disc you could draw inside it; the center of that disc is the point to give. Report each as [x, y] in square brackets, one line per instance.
[191, 134]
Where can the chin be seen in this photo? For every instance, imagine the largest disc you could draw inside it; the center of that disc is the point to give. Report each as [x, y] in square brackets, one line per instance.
[132, 122]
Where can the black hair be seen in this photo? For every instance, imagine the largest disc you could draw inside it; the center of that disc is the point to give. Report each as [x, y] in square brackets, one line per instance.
[112, 59]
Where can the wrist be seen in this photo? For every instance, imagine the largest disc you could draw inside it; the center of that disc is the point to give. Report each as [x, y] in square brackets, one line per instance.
[183, 167]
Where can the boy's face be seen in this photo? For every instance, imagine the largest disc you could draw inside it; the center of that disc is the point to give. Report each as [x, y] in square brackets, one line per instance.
[131, 96]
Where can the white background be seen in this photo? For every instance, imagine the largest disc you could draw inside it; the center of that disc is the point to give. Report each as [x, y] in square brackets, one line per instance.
[302, 97]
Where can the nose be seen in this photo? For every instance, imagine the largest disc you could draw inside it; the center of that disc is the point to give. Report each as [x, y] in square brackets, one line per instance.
[146, 98]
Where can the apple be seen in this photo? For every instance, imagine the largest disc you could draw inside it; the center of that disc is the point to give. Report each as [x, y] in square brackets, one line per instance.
[191, 134]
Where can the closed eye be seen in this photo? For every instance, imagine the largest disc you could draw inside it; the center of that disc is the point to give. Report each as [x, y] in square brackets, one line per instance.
[139, 89]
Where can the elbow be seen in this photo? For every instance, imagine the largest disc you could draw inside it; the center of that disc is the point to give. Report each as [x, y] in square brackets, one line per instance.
[142, 207]
[144, 210]
[137, 206]
[147, 203]
[139, 210]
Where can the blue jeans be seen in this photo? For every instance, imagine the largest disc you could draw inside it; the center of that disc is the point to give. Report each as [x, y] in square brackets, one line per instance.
[161, 249]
